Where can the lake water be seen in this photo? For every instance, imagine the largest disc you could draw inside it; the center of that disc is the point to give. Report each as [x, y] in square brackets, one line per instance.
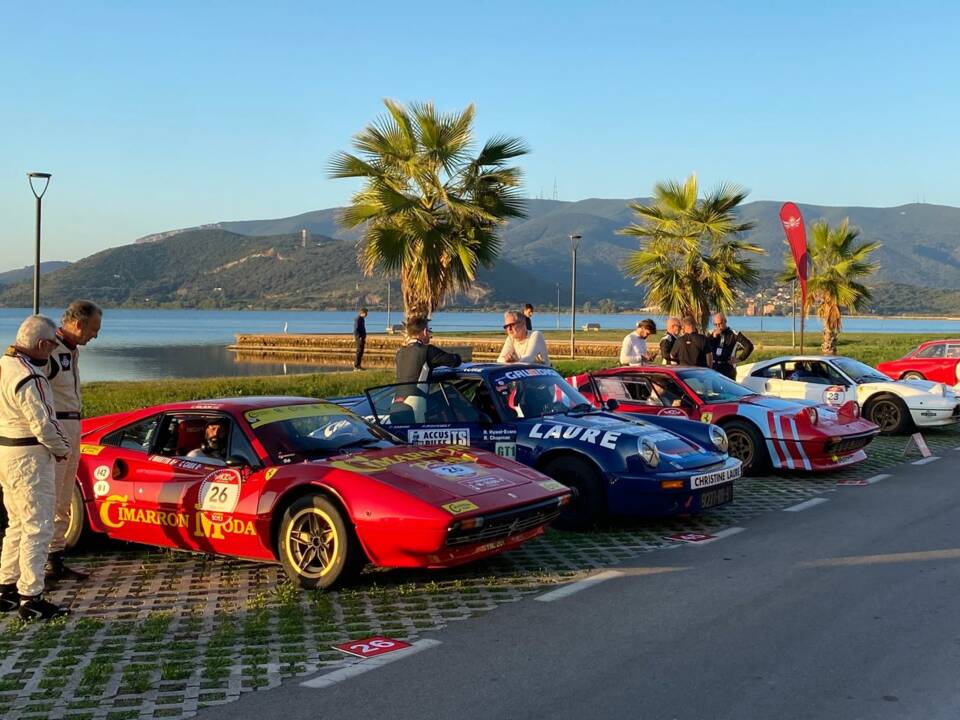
[152, 344]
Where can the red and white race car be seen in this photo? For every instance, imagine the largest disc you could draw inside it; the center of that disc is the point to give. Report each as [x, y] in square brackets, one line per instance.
[762, 431]
[303, 482]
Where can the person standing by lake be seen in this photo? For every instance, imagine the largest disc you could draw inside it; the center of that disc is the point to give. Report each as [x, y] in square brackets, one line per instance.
[723, 345]
[668, 340]
[633, 349]
[691, 348]
[360, 337]
[521, 346]
[31, 443]
[79, 325]
[528, 316]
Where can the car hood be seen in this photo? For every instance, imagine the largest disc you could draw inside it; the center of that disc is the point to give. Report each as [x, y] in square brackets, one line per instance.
[438, 474]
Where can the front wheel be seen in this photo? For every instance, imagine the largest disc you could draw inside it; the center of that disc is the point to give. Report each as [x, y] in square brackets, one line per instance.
[913, 375]
[745, 443]
[889, 413]
[588, 505]
[316, 547]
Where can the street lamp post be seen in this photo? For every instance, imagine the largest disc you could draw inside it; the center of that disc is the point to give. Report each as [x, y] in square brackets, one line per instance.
[38, 194]
[574, 244]
[558, 306]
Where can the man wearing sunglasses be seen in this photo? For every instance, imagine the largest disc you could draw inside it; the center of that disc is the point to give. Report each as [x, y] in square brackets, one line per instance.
[31, 443]
[522, 346]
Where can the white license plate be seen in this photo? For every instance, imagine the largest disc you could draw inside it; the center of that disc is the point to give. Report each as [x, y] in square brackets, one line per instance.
[715, 478]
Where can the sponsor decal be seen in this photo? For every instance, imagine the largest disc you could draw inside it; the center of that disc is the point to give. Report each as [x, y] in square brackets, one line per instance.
[592, 436]
[65, 361]
[269, 473]
[529, 372]
[444, 436]
[706, 417]
[552, 485]
[506, 449]
[714, 478]
[371, 647]
[176, 462]
[501, 434]
[265, 416]
[453, 471]
[115, 513]
[220, 491]
[482, 484]
[101, 472]
[86, 449]
[673, 412]
[834, 395]
[418, 458]
[460, 506]
[101, 488]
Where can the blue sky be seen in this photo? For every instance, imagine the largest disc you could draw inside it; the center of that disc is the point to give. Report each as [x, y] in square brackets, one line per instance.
[154, 116]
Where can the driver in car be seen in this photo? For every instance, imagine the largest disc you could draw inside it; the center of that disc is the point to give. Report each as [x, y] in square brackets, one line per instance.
[213, 451]
[534, 400]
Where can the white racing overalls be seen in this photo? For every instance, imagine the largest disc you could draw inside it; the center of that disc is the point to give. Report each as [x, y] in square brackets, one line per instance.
[30, 441]
[64, 379]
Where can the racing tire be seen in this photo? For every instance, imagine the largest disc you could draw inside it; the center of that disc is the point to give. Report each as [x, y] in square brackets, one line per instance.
[589, 503]
[889, 413]
[78, 527]
[912, 375]
[316, 547]
[746, 444]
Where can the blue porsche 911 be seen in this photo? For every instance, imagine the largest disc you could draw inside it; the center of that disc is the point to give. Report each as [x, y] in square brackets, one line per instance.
[619, 465]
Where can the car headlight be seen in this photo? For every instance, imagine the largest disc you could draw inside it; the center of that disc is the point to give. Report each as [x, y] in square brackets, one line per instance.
[719, 438]
[939, 389]
[812, 415]
[648, 452]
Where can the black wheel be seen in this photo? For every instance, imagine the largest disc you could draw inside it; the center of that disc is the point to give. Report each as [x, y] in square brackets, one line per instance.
[913, 375]
[746, 444]
[589, 503]
[78, 527]
[316, 547]
[889, 413]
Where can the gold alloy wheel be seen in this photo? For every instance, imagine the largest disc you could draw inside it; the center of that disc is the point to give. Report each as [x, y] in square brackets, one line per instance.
[740, 446]
[886, 414]
[312, 543]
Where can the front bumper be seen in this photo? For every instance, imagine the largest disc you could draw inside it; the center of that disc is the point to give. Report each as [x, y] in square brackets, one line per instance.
[646, 496]
[934, 416]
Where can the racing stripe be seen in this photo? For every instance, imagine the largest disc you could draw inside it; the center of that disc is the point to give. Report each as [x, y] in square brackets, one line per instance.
[791, 463]
[800, 451]
[775, 453]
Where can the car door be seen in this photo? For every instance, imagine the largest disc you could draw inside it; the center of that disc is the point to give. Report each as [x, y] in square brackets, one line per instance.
[632, 393]
[767, 380]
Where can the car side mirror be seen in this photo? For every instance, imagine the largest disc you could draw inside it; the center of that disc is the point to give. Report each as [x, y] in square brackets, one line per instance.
[612, 404]
[237, 461]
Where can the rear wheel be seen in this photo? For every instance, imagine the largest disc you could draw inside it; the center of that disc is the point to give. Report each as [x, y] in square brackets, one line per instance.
[77, 527]
[746, 445]
[889, 413]
[589, 504]
[913, 375]
[316, 547]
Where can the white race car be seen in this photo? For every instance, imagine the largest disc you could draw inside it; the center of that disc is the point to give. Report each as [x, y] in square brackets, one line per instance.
[894, 405]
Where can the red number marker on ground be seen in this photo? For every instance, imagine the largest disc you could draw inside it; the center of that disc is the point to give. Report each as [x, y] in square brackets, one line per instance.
[690, 537]
[371, 647]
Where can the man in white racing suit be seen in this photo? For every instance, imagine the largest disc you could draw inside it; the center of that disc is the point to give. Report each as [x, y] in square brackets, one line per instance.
[31, 442]
[80, 324]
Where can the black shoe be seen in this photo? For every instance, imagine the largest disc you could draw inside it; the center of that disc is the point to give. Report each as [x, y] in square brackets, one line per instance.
[34, 607]
[56, 569]
[9, 597]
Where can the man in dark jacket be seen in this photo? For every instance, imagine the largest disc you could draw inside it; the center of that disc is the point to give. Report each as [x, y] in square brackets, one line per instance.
[691, 348]
[360, 337]
[728, 347]
[668, 340]
[415, 360]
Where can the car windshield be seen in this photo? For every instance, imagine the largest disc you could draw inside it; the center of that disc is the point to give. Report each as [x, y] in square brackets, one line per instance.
[293, 433]
[712, 387]
[859, 372]
[536, 392]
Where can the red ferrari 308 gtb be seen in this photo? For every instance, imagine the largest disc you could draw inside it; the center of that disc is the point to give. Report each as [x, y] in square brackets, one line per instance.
[303, 482]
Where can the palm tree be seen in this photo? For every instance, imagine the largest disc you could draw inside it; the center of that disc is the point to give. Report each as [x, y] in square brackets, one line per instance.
[430, 211]
[838, 264]
[691, 258]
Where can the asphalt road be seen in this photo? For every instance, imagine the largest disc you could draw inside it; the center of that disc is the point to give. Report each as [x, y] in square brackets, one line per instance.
[848, 609]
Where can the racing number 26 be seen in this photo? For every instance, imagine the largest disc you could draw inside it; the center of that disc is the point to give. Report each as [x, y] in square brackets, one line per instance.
[368, 647]
[219, 497]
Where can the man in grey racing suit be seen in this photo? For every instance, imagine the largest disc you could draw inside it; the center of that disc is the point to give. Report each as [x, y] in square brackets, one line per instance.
[31, 442]
[80, 324]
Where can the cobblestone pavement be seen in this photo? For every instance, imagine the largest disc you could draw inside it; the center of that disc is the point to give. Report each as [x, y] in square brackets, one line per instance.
[161, 634]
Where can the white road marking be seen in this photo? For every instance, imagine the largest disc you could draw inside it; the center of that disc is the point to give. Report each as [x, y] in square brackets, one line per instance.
[362, 666]
[878, 478]
[806, 505]
[925, 460]
[576, 587]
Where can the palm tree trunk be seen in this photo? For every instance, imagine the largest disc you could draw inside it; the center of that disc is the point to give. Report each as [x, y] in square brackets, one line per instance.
[830, 335]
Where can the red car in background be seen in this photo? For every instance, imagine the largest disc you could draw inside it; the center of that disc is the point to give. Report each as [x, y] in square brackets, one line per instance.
[936, 360]
[305, 483]
[761, 431]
